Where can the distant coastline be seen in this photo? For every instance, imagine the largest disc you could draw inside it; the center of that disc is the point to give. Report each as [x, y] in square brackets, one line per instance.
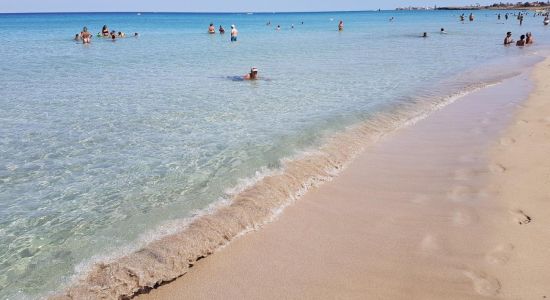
[513, 7]
[496, 6]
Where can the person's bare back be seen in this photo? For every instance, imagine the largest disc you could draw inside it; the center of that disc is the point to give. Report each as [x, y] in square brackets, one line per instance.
[86, 36]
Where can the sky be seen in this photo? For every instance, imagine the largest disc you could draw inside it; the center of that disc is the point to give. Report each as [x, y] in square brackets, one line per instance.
[9, 6]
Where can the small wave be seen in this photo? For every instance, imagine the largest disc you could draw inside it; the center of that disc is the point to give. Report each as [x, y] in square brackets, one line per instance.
[178, 245]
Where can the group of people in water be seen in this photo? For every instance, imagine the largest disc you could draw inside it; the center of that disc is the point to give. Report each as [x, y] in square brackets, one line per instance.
[235, 32]
[86, 37]
[221, 30]
[525, 39]
[470, 17]
[519, 16]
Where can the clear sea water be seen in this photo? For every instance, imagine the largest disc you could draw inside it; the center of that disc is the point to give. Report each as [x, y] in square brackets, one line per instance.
[100, 145]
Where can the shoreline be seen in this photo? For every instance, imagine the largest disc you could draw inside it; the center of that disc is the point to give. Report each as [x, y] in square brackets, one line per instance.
[439, 235]
[522, 183]
[261, 201]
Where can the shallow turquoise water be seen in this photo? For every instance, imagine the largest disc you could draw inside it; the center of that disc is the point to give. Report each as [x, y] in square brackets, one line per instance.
[102, 144]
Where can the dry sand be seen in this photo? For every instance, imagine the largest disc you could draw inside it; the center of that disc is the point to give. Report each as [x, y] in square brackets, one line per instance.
[455, 207]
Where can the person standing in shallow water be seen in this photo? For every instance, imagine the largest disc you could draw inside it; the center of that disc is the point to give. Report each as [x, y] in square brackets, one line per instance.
[105, 30]
[234, 33]
[85, 36]
[520, 20]
[211, 29]
[341, 25]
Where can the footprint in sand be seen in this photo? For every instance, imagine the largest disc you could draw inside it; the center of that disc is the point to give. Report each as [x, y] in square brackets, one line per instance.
[507, 141]
[522, 122]
[484, 284]
[497, 168]
[500, 255]
[520, 217]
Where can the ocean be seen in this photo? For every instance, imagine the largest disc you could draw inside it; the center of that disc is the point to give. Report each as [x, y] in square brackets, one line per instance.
[109, 147]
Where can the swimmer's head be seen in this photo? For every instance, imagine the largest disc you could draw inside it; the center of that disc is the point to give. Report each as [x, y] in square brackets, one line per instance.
[509, 33]
[85, 29]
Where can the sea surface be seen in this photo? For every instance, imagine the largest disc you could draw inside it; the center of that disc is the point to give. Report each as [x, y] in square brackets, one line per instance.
[109, 146]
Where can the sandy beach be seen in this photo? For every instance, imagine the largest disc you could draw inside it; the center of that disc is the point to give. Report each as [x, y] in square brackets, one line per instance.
[453, 207]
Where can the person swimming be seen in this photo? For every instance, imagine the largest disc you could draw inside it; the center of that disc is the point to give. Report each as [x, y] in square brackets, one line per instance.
[341, 25]
[546, 20]
[442, 31]
[234, 33]
[521, 41]
[211, 29]
[105, 30]
[278, 27]
[85, 36]
[253, 75]
[425, 35]
[113, 36]
[136, 34]
[221, 30]
[508, 40]
[77, 37]
[121, 34]
[471, 17]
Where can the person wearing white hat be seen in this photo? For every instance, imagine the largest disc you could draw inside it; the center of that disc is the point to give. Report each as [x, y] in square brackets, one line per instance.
[253, 75]
[234, 33]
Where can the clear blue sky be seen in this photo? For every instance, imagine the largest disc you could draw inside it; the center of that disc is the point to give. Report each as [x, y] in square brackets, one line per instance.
[214, 5]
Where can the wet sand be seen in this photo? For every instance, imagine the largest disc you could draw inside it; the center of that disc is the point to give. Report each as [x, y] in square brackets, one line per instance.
[453, 207]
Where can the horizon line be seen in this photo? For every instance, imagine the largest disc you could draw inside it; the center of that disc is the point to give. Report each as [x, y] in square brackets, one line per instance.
[194, 12]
